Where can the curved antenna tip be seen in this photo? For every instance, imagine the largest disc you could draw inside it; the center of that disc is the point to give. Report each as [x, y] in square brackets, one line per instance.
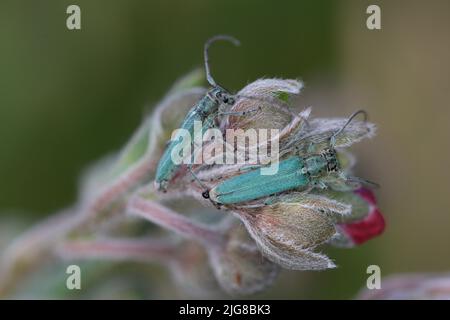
[225, 37]
[360, 111]
[354, 114]
[208, 43]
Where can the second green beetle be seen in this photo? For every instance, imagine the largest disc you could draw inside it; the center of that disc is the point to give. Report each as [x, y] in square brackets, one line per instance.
[316, 170]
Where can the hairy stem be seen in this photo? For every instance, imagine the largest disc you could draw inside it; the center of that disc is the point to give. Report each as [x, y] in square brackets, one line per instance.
[131, 179]
[140, 250]
[175, 222]
[33, 248]
[36, 245]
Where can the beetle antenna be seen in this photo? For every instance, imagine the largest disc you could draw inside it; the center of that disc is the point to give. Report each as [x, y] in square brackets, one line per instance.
[350, 119]
[208, 43]
[205, 193]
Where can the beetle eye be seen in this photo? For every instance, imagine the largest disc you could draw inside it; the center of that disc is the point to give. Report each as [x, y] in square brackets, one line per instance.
[205, 194]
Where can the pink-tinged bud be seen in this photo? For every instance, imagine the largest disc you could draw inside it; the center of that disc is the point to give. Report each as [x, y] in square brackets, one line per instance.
[239, 266]
[370, 226]
[192, 272]
[288, 230]
[263, 104]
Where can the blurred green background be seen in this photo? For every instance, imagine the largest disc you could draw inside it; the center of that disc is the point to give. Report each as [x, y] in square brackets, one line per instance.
[70, 97]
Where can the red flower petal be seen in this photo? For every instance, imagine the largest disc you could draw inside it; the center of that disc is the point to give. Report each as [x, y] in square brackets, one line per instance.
[366, 229]
[367, 195]
[369, 227]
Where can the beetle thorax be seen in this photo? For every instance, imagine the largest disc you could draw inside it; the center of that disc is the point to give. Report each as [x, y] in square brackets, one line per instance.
[221, 96]
[315, 166]
[330, 157]
[321, 164]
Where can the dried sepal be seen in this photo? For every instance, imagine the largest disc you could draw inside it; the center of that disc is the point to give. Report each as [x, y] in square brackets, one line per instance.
[320, 130]
[358, 207]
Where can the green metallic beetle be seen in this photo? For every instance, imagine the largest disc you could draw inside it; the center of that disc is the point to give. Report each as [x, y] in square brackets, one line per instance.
[206, 111]
[316, 170]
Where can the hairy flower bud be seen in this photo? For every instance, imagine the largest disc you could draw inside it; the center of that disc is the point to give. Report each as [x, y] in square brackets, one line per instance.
[264, 102]
[368, 227]
[289, 227]
[363, 223]
[240, 267]
[192, 272]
